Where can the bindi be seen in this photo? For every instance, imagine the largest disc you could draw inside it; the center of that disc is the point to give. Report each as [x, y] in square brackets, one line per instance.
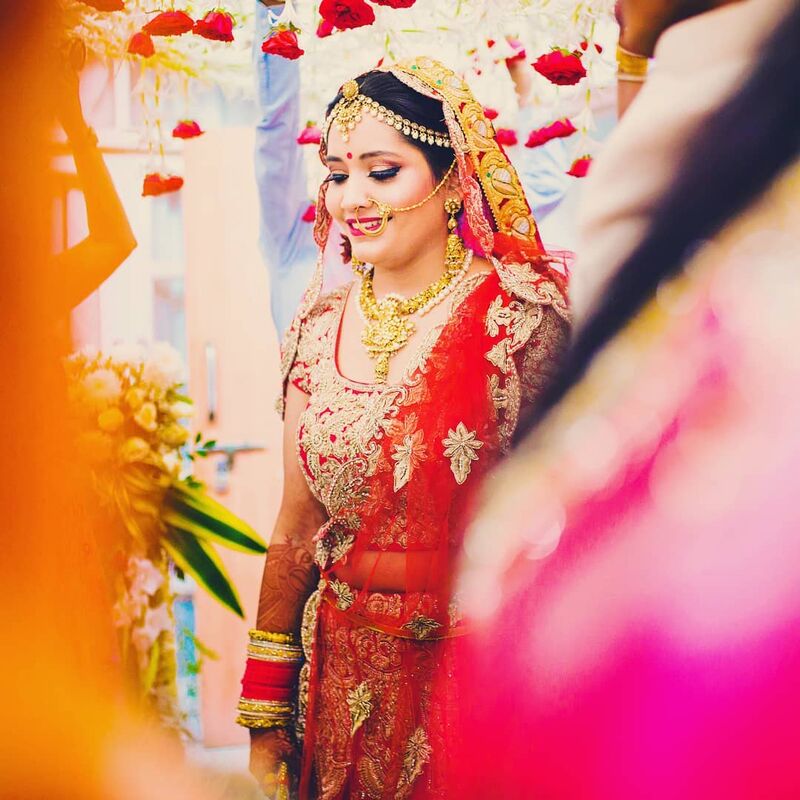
[349, 156]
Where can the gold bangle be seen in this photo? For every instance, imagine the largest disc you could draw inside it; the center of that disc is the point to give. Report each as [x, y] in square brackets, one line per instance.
[276, 638]
[628, 78]
[631, 63]
[273, 707]
[263, 724]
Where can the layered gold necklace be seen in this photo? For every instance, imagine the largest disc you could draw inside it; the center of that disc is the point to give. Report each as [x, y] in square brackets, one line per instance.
[388, 324]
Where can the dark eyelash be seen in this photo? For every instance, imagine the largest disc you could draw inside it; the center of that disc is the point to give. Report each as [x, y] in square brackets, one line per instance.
[335, 177]
[384, 174]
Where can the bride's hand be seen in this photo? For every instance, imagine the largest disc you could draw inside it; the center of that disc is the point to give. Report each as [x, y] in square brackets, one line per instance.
[269, 750]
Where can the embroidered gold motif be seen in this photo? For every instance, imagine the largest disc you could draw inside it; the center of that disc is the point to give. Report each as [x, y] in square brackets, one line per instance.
[498, 355]
[308, 626]
[359, 701]
[343, 543]
[497, 316]
[303, 683]
[461, 446]
[497, 392]
[407, 456]
[344, 595]
[418, 753]
[422, 627]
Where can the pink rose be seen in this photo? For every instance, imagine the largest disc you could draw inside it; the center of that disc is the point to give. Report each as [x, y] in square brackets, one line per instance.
[506, 137]
[141, 44]
[310, 214]
[559, 129]
[283, 43]
[311, 134]
[580, 166]
[344, 14]
[216, 25]
[490, 113]
[169, 23]
[187, 129]
[325, 29]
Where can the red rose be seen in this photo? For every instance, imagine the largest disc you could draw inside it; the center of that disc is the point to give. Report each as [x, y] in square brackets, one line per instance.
[187, 129]
[345, 14]
[216, 25]
[490, 43]
[325, 28]
[105, 5]
[169, 23]
[490, 113]
[141, 45]
[395, 3]
[283, 43]
[580, 166]
[155, 184]
[311, 134]
[506, 137]
[310, 214]
[560, 67]
[559, 129]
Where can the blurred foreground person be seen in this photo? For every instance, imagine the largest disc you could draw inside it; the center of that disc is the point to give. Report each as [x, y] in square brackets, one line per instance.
[635, 569]
[703, 51]
[67, 732]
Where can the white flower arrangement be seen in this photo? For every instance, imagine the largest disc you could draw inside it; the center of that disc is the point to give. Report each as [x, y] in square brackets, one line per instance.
[130, 419]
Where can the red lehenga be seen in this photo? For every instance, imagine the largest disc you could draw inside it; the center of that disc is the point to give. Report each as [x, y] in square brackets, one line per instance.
[395, 467]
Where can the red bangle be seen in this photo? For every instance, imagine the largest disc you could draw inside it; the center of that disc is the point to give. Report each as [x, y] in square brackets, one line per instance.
[270, 680]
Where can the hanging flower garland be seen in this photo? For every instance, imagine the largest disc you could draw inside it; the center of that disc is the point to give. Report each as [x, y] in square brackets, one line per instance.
[170, 44]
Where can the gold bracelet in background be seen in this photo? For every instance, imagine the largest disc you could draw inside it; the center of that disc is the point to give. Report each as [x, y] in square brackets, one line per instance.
[631, 66]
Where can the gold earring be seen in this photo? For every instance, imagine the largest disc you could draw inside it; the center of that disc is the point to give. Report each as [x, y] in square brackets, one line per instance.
[455, 252]
[358, 265]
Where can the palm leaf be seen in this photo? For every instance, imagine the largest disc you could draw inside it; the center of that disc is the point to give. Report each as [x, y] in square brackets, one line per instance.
[193, 510]
[199, 560]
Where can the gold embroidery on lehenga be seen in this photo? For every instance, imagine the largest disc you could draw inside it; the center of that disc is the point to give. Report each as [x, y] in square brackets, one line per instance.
[422, 627]
[359, 701]
[407, 456]
[498, 355]
[344, 595]
[417, 754]
[498, 393]
[497, 316]
[461, 447]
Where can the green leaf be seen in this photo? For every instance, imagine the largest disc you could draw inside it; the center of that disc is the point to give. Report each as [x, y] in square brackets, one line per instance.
[193, 510]
[200, 561]
[209, 445]
[198, 438]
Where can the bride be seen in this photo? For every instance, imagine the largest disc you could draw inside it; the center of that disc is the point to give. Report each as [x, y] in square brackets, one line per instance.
[401, 390]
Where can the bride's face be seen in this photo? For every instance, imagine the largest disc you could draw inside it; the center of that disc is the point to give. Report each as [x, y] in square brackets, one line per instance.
[379, 163]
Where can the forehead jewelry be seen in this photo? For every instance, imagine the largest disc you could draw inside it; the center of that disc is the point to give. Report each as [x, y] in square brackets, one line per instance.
[349, 111]
[385, 210]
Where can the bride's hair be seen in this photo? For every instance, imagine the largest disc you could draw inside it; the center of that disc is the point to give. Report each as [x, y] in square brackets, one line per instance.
[403, 100]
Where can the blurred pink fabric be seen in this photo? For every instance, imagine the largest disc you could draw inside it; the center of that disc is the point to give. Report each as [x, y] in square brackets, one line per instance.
[635, 570]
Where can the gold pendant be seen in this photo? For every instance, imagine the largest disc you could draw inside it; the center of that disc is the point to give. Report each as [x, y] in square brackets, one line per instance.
[385, 334]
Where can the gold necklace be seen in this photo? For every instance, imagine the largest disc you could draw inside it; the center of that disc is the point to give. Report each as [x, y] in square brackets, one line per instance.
[388, 327]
